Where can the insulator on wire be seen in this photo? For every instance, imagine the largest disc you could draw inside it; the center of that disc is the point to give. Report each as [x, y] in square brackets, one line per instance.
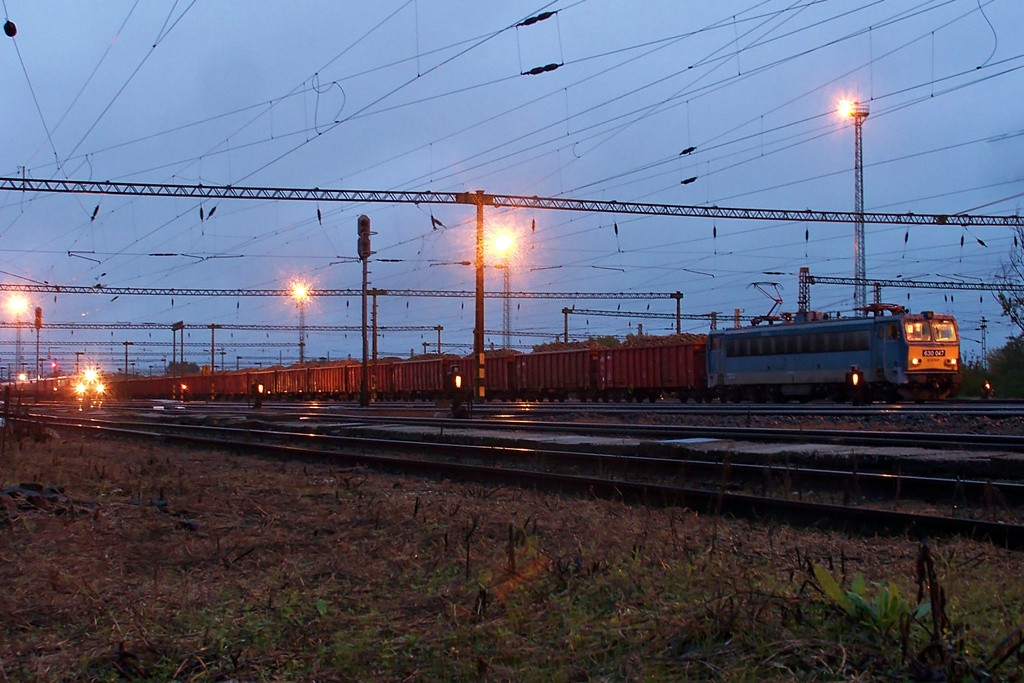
[537, 70]
[533, 20]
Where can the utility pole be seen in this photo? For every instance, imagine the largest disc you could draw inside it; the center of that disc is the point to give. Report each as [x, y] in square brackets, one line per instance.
[302, 332]
[126, 345]
[678, 296]
[506, 311]
[478, 328]
[175, 328]
[213, 360]
[39, 326]
[373, 350]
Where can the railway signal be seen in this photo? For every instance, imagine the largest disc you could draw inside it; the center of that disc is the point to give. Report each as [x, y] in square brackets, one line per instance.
[363, 244]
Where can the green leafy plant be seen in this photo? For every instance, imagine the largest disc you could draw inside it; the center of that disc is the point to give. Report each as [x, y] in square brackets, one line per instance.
[886, 610]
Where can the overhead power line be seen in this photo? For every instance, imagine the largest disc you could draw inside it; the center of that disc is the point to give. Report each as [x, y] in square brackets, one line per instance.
[480, 198]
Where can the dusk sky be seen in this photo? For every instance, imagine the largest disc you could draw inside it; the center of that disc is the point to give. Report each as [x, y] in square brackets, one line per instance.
[427, 95]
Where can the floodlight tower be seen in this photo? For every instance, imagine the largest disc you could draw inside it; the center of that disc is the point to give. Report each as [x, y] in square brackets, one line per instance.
[503, 246]
[858, 112]
[17, 305]
[300, 293]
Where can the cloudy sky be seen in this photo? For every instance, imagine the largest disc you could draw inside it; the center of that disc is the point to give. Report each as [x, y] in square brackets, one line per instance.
[437, 95]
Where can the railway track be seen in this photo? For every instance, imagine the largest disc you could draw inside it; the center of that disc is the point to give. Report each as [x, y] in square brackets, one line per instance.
[994, 409]
[849, 500]
[623, 426]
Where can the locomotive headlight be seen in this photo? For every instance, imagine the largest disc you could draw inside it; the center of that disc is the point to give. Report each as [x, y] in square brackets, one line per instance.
[458, 381]
[952, 362]
[100, 388]
[80, 388]
[915, 361]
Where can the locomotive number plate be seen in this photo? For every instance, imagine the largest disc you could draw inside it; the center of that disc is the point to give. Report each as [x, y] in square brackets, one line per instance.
[933, 353]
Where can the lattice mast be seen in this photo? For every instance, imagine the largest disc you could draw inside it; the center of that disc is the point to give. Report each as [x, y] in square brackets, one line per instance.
[859, 112]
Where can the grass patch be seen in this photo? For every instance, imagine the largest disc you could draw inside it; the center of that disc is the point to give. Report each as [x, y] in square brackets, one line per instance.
[188, 565]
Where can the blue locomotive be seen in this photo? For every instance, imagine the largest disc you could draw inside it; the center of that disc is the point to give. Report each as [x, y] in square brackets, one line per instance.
[899, 356]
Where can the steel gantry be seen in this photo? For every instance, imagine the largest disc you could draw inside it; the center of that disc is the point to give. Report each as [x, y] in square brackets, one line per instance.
[711, 318]
[286, 293]
[225, 326]
[480, 199]
[806, 280]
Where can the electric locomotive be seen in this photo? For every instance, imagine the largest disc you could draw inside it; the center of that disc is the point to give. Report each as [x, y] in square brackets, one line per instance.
[900, 356]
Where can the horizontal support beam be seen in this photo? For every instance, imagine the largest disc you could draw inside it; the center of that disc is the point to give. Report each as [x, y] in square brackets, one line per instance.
[480, 198]
[918, 284]
[314, 293]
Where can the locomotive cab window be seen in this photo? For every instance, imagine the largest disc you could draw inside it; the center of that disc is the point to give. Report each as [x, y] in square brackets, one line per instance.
[917, 330]
[943, 331]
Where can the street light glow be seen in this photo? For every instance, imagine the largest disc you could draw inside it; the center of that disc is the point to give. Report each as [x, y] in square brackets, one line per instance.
[503, 243]
[17, 305]
[300, 292]
[851, 109]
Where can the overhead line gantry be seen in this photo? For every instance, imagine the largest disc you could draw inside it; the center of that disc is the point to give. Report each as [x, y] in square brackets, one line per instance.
[806, 280]
[225, 326]
[480, 199]
[286, 293]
